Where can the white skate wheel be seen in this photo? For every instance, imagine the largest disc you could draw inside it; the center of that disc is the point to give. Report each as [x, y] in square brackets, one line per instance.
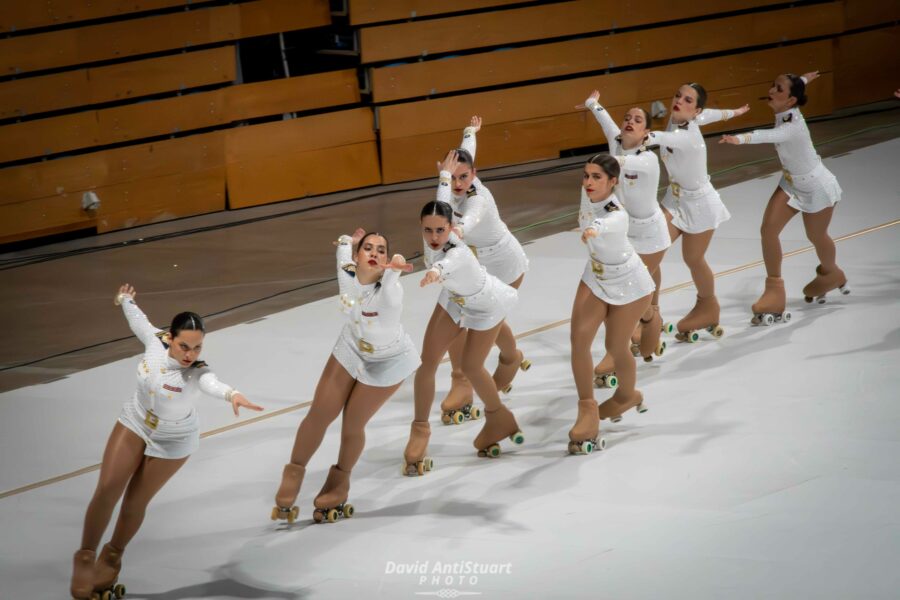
[786, 317]
[768, 319]
[845, 289]
[821, 299]
[601, 444]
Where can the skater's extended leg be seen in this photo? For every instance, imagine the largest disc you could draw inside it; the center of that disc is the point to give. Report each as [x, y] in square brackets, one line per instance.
[364, 402]
[777, 215]
[620, 322]
[440, 333]
[588, 312]
[693, 250]
[334, 387]
[478, 345]
[506, 341]
[816, 225]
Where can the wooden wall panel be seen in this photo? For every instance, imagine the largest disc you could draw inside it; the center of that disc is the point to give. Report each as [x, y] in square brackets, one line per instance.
[292, 95]
[134, 79]
[162, 117]
[526, 118]
[602, 52]
[158, 33]
[76, 174]
[266, 179]
[865, 13]
[34, 218]
[363, 12]
[19, 15]
[422, 38]
[867, 66]
[161, 199]
[48, 136]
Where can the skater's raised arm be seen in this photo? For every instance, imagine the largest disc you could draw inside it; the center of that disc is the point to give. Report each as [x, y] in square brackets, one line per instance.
[714, 115]
[469, 143]
[610, 129]
[137, 320]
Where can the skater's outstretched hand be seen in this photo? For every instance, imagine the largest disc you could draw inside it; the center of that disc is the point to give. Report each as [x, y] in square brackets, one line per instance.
[739, 111]
[594, 97]
[354, 239]
[398, 263]
[587, 234]
[810, 76]
[430, 277]
[450, 162]
[238, 400]
[124, 290]
[729, 139]
[475, 123]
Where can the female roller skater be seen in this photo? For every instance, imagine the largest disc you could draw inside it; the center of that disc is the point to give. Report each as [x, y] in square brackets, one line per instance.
[807, 187]
[648, 232]
[371, 358]
[477, 222]
[692, 206]
[471, 299]
[615, 289]
[157, 430]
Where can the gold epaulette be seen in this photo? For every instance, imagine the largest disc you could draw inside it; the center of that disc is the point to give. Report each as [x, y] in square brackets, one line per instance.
[611, 207]
[199, 364]
[349, 269]
[472, 192]
[161, 335]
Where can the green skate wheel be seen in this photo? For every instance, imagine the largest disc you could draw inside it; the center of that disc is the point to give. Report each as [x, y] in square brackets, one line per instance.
[475, 413]
[612, 381]
[458, 417]
[517, 437]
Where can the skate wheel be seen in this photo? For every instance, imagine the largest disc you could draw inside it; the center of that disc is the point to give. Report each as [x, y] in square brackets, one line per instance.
[786, 317]
[332, 515]
[420, 468]
[612, 382]
[668, 328]
[106, 595]
[428, 463]
[275, 511]
[821, 299]
[492, 451]
[525, 365]
[768, 320]
[457, 417]
[119, 591]
[348, 511]
[716, 331]
[445, 419]
[292, 516]
[517, 438]
[660, 348]
[648, 359]
[507, 389]
[475, 413]
[601, 445]
[641, 408]
[635, 350]
[845, 289]
[616, 419]
[587, 447]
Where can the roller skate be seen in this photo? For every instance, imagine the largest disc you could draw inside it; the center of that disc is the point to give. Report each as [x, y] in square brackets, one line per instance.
[615, 407]
[457, 406]
[769, 309]
[824, 283]
[415, 462]
[651, 331]
[584, 437]
[332, 499]
[605, 373]
[82, 586]
[291, 478]
[106, 574]
[704, 315]
[506, 371]
[498, 424]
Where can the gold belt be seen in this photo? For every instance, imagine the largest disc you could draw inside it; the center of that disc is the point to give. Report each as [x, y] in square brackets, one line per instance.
[474, 250]
[151, 420]
[596, 267]
[458, 299]
[676, 190]
[787, 176]
[365, 346]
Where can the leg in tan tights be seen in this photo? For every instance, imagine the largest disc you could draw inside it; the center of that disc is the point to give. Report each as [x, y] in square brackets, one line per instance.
[816, 225]
[332, 391]
[478, 345]
[439, 335]
[588, 312]
[777, 215]
[364, 402]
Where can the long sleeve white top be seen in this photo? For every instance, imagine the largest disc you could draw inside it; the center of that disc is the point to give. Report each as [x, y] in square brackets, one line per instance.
[639, 179]
[475, 213]
[611, 245]
[792, 142]
[683, 149]
[373, 310]
[164, 386]
[459, 270]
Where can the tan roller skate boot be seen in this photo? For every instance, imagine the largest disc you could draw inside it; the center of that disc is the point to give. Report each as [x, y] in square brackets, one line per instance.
[605, 373]
[584, 437]
[651, 331]
[83, 574]
[106, 573]
[331, 502]
[615, 407]
[291, 479]
[704, 315]
[824, 282]
[457, 406]
[498, 424]
[415, 461]
[506, 371]
[769, 308]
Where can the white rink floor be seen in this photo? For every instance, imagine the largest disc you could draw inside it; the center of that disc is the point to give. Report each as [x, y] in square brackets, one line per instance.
[766, 467]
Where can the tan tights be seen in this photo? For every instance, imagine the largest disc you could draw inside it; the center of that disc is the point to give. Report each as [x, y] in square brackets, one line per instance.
[693, 250]
[588, 312]
[439, 336]
[338, 392]
[777, 215]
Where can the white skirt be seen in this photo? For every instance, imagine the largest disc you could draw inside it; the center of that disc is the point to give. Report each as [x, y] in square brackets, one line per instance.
[506, 260]
[649, 235]
[695, 211]
[812, 192]
[167, 439]
[619, 284]
[377, 366]
[482, 310]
